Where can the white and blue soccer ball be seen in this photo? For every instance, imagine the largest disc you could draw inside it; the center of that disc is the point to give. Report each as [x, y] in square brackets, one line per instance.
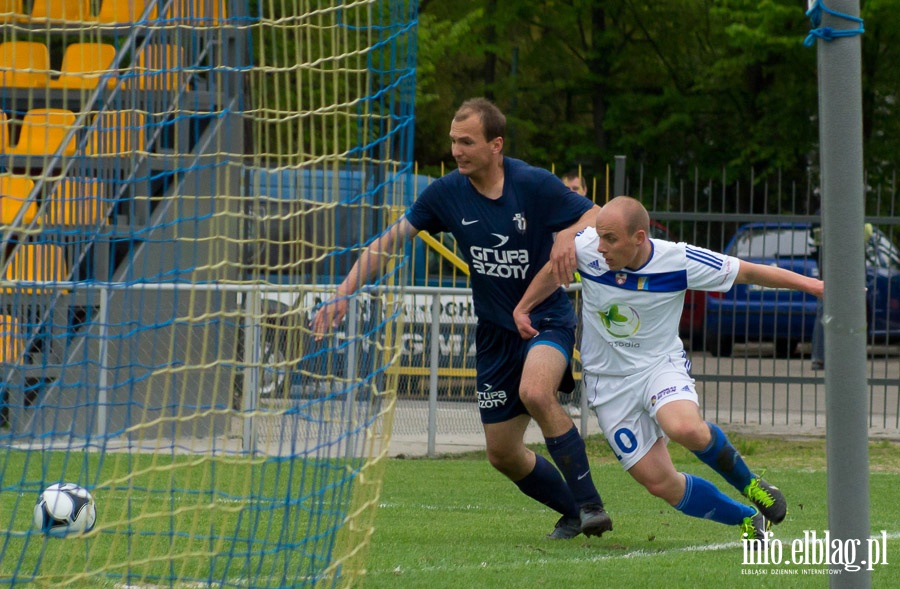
[65, 509]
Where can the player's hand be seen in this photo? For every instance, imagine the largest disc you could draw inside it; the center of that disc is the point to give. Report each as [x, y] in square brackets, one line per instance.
[818, 288]
[523, 324]
[329, 316]
[563, 263]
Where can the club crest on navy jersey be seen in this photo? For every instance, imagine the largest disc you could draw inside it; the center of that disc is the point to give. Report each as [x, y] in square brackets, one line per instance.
[519, 219]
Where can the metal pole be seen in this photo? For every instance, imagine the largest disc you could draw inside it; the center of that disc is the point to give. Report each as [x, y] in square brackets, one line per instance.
[252, 368]
[351, 374]
[844, 320]
[103, 375]
[352, 332]
[433, 376]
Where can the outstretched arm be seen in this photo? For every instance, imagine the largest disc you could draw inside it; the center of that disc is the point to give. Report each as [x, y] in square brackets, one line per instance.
[369, 264]
[541, 287]
[562, 256]
[774, 277]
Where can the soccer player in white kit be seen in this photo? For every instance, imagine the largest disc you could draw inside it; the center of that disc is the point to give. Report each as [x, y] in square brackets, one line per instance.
[636, 372]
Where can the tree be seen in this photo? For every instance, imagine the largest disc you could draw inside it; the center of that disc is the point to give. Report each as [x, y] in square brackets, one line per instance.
[705, 85]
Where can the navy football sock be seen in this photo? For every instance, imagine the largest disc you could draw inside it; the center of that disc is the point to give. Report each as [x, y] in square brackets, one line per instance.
[723, 458]
[570, 456]
[545, 485]
[702, 499]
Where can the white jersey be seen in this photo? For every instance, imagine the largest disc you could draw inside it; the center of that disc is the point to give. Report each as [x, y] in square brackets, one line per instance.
[631, 316]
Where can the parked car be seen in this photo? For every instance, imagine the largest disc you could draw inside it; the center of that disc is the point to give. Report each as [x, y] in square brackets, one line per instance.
[749, 313]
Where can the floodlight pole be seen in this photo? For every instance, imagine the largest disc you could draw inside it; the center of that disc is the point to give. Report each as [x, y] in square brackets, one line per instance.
[843, 207]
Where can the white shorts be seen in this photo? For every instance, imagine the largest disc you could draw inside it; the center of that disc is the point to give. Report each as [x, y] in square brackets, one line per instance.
[626, 406]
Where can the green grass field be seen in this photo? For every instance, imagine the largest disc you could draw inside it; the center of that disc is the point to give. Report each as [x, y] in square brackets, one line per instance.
[445, 523]
[162, 518]
[454, 523]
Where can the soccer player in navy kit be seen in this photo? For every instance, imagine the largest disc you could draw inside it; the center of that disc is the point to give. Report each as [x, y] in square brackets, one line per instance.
[636, 372]
[503, 214]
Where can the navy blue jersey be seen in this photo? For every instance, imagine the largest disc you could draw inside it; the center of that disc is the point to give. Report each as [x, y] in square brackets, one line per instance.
[505, 241]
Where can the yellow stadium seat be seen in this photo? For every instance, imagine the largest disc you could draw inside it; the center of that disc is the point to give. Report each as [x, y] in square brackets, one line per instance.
[124, 11]
[84, 64]
[36, 262]
[61, 10]
[11, 10]
[75, 201]
[10, 345]
[117, 132]
[158, 67]
[43, 132]
[14, 193]
[24, 64]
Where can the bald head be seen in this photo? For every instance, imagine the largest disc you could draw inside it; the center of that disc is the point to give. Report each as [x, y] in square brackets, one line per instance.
[631, 212]
[623, 225]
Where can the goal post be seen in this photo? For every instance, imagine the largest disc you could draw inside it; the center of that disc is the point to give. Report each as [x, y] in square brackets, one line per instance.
[185, 183]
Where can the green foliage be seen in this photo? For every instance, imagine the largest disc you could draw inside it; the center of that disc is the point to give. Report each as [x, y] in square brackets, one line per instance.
[881, 79]
[682, 86]
[322, 73]
[687, 88]
[443, 49]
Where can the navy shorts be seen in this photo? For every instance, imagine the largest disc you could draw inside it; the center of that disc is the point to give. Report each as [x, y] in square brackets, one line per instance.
[499, 358]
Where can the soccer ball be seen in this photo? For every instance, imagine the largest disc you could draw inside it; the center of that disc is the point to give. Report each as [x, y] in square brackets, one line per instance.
[65, 509]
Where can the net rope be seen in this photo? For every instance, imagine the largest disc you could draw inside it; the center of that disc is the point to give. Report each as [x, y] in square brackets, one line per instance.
[182, 183]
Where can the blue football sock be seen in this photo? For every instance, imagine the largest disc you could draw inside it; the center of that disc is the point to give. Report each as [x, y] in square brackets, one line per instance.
[723, 458]
[570, 456]
[702, 499]
[545, 485]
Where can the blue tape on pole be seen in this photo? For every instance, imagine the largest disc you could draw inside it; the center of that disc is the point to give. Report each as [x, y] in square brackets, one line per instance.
[817, 7]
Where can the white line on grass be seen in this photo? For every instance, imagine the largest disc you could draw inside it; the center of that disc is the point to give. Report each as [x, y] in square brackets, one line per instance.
[581, 560]
[426, 507]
